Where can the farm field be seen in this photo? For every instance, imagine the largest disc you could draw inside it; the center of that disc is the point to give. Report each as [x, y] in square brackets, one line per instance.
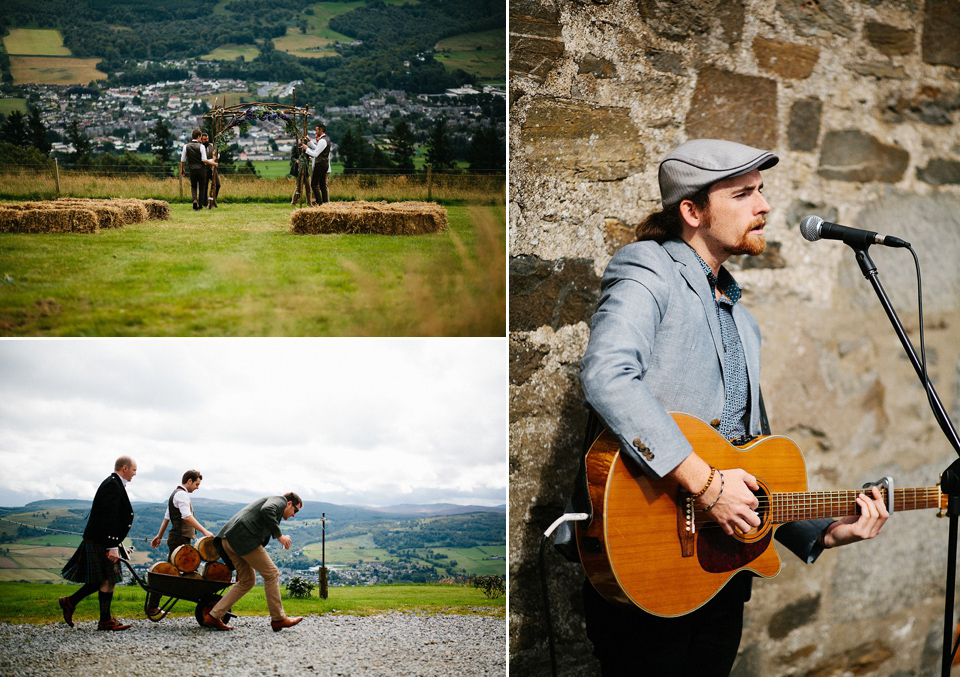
[35, 41]
[7, 106]
[461, 51]
[238, 271]
[230, 52]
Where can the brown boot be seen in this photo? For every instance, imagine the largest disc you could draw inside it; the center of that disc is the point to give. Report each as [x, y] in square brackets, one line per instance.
[113, 624]
[68, 610]
[215, 623]
[287, 622]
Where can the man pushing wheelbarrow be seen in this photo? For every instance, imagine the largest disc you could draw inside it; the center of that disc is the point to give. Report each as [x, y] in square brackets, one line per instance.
[242, 542]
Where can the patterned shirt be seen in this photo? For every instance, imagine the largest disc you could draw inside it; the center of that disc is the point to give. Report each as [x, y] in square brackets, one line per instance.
[735, 381]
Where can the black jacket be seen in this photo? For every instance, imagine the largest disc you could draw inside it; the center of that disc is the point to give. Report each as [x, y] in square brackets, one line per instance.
[111, 515]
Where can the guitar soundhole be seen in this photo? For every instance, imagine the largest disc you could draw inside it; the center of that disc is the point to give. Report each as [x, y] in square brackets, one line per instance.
[719, 553]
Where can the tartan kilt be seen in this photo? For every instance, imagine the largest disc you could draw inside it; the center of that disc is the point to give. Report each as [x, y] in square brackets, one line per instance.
[89, 564]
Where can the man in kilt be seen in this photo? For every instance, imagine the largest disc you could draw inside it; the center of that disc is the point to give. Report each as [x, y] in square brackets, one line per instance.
[96, 563]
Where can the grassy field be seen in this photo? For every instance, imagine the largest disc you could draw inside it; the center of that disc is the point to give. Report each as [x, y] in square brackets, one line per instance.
[37, 602]
[230, 52]
[238, 271]
[54, 70]
[35, 42]
[461, 51]
[7, 106]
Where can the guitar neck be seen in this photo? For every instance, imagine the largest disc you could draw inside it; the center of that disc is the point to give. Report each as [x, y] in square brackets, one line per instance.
[809, 505]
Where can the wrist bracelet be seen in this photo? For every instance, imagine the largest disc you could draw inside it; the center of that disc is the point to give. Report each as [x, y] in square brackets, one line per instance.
[710, 507]
[713, 471]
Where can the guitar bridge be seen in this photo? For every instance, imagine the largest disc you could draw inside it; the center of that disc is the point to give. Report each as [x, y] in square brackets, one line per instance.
[686, 522]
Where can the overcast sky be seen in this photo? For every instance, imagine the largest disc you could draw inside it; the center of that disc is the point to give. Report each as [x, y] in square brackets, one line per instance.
[352, 421]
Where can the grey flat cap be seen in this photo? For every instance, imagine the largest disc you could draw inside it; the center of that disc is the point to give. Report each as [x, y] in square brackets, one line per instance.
[698, 163]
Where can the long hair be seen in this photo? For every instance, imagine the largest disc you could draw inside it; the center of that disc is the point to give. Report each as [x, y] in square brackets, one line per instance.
[665, 224]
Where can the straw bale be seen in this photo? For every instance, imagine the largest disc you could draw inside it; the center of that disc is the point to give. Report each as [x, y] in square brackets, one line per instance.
[131, 210]
[48, 221]
[107, 216]
[377, 218]
[157, 209]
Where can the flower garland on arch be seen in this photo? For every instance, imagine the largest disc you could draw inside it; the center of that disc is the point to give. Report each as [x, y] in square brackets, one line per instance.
[230, 119]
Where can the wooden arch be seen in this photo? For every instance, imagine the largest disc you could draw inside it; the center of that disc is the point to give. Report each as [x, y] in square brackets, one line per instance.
[228, 118]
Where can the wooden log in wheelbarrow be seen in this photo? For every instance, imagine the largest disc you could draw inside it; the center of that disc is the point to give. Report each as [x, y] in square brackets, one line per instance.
[205, 593]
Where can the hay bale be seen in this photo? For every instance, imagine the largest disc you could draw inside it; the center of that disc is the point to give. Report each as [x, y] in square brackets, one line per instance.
[377, 218]
[157, 209]
[131, 210]
[48, 221]
[107, 216]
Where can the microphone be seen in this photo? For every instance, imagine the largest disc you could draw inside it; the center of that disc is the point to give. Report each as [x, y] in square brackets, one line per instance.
[814, 228]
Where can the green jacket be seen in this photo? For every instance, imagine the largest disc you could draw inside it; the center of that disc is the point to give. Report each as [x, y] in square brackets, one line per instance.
[254, 525]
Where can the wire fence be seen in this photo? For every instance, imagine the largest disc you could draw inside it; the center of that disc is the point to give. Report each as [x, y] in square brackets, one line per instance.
[41, 181]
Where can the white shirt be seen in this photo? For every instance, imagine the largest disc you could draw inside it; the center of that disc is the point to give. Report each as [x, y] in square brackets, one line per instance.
[314, 148]
[181, 499]
[183, 153]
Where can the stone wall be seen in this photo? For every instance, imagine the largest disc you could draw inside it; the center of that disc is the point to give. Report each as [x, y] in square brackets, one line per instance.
[861, 101]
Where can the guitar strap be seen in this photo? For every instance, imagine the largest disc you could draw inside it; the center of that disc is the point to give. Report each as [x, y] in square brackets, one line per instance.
[764, 422]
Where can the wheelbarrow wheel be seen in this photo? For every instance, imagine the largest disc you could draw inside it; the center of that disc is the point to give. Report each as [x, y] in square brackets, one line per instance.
[205, 606]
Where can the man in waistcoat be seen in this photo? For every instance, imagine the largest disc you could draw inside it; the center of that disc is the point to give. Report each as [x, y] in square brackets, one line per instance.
[183, 527]
[213, 179]
[319, 151]
[96, 563]
[242, 541]
[195, 155]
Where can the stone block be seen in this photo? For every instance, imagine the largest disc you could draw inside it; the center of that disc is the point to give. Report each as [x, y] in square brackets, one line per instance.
[666, 62]
[851, 155]
[577, 140]
[535, 39]
[824, 18]
[551, 293]
[734, 107]
[940, 171]
[804, 127]
[890, 40]
[597, 67]
[785, 59]
[793, 616]
[927, 104]
[940, 43]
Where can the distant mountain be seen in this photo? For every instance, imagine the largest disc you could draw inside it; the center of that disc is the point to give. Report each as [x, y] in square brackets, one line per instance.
[435, 509]
[47, 504]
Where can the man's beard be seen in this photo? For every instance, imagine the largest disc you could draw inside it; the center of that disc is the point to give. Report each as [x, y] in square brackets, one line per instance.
[749, 246]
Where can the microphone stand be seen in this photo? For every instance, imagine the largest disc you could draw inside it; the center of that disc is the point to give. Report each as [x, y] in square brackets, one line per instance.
[950, 478]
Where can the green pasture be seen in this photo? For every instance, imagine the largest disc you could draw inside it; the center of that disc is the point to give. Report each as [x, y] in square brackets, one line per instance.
[8, 106]
[238, 271]
[489, 62]
[35, 42]
[230, 52]
[37, 602]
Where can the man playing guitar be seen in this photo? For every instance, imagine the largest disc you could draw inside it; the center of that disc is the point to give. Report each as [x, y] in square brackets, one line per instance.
[670, 335]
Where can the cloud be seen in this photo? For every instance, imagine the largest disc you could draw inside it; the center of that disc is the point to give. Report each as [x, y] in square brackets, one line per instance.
[346, 421]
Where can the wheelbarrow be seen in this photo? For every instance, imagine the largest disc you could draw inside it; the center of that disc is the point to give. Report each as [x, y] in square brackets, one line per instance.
[205, 594]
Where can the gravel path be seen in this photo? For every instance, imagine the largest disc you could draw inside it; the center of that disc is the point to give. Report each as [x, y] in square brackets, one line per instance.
[394, 644]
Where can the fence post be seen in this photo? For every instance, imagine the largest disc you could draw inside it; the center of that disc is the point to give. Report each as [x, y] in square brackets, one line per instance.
[429, 181]
[56, 174]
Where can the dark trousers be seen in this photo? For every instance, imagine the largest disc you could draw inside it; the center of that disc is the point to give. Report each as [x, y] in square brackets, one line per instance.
[318, 182]
[198, 185]
[214, 184]
[703, 643]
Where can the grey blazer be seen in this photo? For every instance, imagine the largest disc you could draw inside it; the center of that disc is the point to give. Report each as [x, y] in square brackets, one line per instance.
[254, 525]
[655, 347]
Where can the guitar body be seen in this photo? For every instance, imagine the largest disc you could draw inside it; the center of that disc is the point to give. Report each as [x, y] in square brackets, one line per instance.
[637, 551]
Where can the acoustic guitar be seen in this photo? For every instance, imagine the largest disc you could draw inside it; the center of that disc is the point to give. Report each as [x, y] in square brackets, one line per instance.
[647, 546]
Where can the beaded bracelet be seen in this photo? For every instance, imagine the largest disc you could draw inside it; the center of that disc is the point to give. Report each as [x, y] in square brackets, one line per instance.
[710, 507]
[713, 471]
